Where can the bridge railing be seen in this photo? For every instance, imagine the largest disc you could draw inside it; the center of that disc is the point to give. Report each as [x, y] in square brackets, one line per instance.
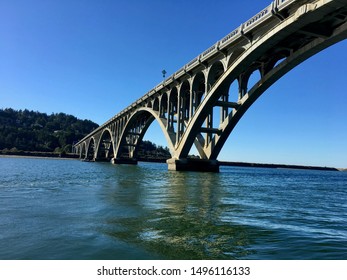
[258, 18]
[231, 36]
[193, 63]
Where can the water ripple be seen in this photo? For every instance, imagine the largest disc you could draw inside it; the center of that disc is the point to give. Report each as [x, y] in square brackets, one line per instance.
[57, 209]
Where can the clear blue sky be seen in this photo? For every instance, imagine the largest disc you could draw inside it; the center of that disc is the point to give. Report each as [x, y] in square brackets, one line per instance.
[92, 58]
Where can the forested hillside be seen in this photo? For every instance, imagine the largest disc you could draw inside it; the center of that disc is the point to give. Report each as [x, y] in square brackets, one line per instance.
[33, 131]
[149, 151]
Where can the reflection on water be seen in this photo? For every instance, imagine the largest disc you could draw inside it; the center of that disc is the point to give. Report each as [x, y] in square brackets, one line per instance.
[52, 209]
[180, 216]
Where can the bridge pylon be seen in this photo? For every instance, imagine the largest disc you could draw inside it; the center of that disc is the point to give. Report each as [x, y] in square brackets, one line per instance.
[192, 164]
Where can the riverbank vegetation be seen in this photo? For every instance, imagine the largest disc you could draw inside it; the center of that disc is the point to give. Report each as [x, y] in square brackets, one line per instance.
[149, 151]
[30, 131]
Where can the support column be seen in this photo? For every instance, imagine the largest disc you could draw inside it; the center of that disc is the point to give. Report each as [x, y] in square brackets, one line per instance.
[224, 109]
[179, 117]
[209, 125]
[198, 165]
[191, 101]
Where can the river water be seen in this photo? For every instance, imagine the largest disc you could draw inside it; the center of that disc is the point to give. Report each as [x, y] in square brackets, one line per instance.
[68, 209]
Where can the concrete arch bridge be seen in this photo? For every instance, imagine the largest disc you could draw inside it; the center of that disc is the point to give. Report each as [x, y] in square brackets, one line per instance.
[203, 101]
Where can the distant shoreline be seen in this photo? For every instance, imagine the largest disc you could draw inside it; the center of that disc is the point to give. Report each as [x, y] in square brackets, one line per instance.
[263, 165]
[279, 166]
[221, 163]
[39, 155]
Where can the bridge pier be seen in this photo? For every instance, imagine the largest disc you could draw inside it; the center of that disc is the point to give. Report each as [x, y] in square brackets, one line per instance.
[131, 161]
[199, 165]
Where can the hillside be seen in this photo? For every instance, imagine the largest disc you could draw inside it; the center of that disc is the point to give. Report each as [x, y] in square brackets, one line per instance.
[149, 151]
[43, 134]
[33, 131]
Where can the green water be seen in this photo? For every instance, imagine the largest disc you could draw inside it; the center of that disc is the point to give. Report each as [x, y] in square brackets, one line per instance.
[67, 209]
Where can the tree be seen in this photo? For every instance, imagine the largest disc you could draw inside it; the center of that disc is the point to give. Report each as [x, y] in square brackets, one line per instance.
[34, 131]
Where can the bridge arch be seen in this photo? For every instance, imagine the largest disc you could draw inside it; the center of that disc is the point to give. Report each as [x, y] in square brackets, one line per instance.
[90, 155]
[214, 73]
[105, 146]
[248, 79]
[248, 60]
[83, 152]
[198, 89]
[134, 131]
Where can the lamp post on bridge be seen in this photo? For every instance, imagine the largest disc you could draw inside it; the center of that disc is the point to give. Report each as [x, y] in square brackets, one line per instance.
[164, 73]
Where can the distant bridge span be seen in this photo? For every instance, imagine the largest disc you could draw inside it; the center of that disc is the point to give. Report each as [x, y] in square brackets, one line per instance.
[195, 105]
